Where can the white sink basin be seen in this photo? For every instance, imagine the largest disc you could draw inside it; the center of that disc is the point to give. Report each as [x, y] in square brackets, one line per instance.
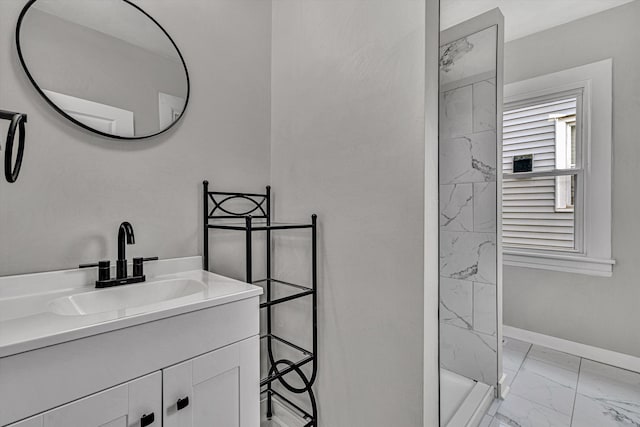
[130, 298]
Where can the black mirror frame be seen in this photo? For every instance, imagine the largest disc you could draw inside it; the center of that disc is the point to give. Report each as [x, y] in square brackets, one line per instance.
[25, 9]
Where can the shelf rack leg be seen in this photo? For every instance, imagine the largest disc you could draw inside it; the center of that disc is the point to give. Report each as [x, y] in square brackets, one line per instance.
[249, 279]
[314, 283]
[268, 298]
[205, 240]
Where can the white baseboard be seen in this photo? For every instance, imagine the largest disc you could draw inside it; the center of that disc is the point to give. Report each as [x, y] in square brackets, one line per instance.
[597, 354]
[282, 414]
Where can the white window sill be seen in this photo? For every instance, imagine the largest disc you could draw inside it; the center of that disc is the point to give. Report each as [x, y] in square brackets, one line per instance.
[559, 262]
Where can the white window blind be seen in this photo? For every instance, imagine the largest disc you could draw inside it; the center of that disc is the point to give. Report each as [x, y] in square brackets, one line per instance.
[532, 216]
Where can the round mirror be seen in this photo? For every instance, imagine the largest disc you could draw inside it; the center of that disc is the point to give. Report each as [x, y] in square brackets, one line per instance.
[106, 65]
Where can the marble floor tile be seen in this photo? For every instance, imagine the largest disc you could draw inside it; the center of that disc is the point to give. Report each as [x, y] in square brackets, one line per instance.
[513, 353]
[456, 207]
[607, 395]
[518, 412]
[555, 358]
[552, 388]
[600, 380]
[602, 412]
[516, 345]
[546, 385]
[511, 376]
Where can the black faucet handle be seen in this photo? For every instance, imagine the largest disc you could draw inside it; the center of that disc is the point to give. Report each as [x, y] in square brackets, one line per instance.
[104, 269]
[99, 264]
[95, 264]
[138, 265]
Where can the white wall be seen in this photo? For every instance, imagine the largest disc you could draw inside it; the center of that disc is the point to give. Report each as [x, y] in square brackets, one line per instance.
[75, 188]
[348, 143]
[601, 312]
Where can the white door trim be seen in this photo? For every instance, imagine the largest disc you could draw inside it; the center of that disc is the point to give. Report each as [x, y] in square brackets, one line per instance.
[169, 109]
[113, 120]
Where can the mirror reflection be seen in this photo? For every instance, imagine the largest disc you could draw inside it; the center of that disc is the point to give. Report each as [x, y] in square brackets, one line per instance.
[106, 65]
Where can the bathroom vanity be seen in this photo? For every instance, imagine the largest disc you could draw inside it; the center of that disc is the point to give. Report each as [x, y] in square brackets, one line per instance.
[181, 349]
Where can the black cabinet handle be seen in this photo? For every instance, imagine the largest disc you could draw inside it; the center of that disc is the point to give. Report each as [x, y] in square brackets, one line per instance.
[182, 403]
[147, 419]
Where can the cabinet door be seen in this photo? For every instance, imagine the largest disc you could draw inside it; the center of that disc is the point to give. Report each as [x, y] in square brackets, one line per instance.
[121, 406]
[221, 388]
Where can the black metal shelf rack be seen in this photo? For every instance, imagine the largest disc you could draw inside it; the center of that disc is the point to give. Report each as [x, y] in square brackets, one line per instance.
[220, 214]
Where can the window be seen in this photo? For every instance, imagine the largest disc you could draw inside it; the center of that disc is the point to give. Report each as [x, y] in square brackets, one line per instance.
[565, 153]
[539, 207]
[556, 214]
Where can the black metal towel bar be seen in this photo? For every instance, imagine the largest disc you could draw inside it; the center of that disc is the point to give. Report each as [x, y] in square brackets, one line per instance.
[18, 120]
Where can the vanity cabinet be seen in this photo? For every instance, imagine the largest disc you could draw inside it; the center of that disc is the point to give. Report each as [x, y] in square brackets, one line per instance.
[219, 388]
[134, 404]
[111, 368]
[215, 389]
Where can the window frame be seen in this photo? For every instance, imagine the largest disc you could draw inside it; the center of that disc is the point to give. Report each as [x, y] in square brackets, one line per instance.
[564, 126]
[593, 256]
[522, 100]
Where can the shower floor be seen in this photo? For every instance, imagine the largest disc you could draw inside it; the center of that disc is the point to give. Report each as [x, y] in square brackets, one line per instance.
[463, 402]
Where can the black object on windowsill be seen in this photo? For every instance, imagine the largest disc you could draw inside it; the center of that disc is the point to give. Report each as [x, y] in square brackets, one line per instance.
[523, 163]
[18, 120]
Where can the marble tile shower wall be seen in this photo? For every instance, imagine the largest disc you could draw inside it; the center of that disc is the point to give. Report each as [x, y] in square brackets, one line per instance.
[468, 158]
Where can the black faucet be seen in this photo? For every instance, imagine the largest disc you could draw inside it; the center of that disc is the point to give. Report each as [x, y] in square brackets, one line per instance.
[125, 237]
[125, 230]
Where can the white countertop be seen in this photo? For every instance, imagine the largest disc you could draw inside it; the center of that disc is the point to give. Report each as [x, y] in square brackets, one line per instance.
[26, 322]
